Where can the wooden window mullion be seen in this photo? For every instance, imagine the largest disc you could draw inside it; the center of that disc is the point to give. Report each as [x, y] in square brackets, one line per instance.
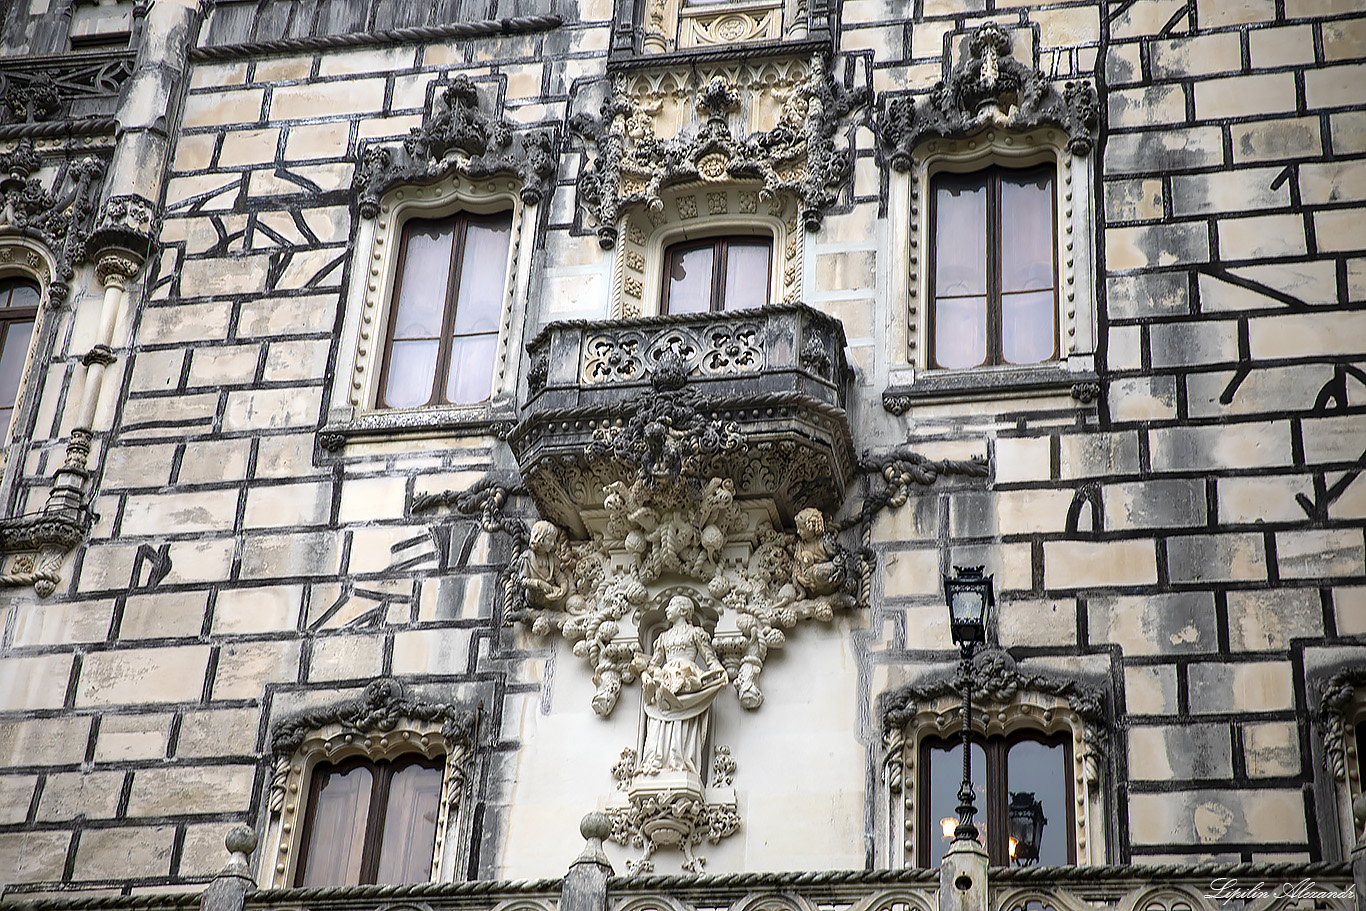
[443, 350]
[718, 275]
[995, 349]
[374, 822]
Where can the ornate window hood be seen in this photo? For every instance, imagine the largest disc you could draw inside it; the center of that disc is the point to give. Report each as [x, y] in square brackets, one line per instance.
[756, 396]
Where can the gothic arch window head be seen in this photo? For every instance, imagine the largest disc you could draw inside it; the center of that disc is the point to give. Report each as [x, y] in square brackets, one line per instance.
[1040, 752]
[26, 271]
[372, 789]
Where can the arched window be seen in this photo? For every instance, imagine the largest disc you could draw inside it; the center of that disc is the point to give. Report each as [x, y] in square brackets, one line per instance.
[993, 275]
[371, 822]
[1023, 791]
[447, 309]
[720, 273]
[19, 299]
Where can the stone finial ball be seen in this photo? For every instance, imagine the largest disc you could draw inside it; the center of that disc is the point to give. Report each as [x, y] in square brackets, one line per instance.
[595, 825]
[241, 840]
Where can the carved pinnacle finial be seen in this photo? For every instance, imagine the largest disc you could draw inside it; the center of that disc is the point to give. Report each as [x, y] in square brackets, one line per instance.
[594, 827]
[718, 98]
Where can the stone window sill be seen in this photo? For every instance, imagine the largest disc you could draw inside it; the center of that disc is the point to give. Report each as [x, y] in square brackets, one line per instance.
[492, 419]
[934, 386]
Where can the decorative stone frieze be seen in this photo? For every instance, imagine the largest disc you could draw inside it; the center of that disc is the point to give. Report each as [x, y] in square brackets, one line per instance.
[457, 136]
[645, 140]
[58, 214]
[987, 87]
[41, 90]
[385, 721]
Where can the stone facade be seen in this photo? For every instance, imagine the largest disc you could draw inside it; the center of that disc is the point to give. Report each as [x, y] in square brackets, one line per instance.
[210, 531]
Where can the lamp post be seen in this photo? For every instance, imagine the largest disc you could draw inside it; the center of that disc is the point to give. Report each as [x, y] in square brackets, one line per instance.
[969, 594]
[1026, 827]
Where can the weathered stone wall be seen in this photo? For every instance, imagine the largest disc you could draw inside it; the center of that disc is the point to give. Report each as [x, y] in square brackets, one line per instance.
[1192, 539]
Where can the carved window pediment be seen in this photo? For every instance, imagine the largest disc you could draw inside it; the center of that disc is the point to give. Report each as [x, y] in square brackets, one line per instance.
[659, 27]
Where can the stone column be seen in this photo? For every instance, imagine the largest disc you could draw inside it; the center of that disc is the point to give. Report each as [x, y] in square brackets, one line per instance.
[585, 885]
[963, 877]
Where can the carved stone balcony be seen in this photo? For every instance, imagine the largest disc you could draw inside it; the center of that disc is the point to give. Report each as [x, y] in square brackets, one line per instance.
[754, 396]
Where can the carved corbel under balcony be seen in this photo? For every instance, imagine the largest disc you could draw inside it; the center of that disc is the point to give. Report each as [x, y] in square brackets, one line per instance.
[458, 136]
[988, 86]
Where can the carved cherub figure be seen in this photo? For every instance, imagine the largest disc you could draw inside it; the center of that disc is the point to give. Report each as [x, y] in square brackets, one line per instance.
[538, 569]
[818, 567]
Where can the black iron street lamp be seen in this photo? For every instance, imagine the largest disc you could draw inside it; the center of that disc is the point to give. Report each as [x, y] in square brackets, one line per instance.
[969, 594]
[1026, 824]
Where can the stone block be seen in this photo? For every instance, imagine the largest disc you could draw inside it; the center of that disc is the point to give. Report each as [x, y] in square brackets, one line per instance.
[366, 60]
[376, 548]
[34, 682]
[370, 499]
[1142, 398]
[1158, 624]
[1099, 564]
[33, 856]
[1193, 342]
[1144, 19]
[1216, 558]
[125, 853]
[1225, 13]
[72, 795]
[157, 371]
[1334, 86]
[43, 741]
[259, 409]
[170, 615]
[191, 789]
[1123, 62]
[284, 456]
[152, 411]
[284, 69]
[224, 366]
[1245, 95]
[1317, 553]
[1023, 512]
[1066, 26]
[1150, 689]
[206, 75]
[1175, 752]
[275, 316]
[1348, 131]
[273, 556]
[1286, 46]
[204, 510]
[1126, 348]
[1021, 459]
[248, 147]
[1212, 817]
[347, 657]
[135, 465]
[203, 854]
[302, 102]
[215, 461]
[911, 572]
[288, 505]
[266, 609]
[223, 275]
[1050, 622]
[217, 732]
[1253, 686]
[136, 676]
[1267, 621]
[1266, 499]
[185, 323]
[1276, 140]
[220, 106]
[1163, 244]
[296, 360]
[1333, 439]
[1147, 106]
[1154, 504]
[1168, 149]
[308, 141]
[1134, 199]
[1271, 749]
[205, 560]
[194, 152]
[1329, 225]
[124, 737]
[16, 793]
[1160, 293]
[1303, 334]
[244, 668]
[1237, 190]
[1017, 567]
[1333, 182]
[1177, 58]
[1349, 607]
[424, 651]
[1255, 444]
[62, 623]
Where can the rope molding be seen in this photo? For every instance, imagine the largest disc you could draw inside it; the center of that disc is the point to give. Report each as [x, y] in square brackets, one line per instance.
[520, 25]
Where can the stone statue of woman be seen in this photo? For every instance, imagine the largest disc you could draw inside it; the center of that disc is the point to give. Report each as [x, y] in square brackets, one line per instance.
[683, 677]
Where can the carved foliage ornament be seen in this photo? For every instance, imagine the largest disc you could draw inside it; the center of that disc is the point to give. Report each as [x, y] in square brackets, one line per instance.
[988, 86]
[37, 95]
[798, 156]
[457, 135]
[1338, 695]
[60, 214]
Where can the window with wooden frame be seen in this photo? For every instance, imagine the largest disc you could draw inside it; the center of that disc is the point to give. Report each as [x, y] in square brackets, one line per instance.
[1023, 793]
[448, 302]
[19, 300]
[371, 822]
[993, 268]
[718, 273]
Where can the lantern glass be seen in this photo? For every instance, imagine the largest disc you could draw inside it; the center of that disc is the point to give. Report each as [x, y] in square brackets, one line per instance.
[969, 595]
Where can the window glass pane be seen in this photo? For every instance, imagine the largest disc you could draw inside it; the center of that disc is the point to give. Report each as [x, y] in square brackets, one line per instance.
[421, 302]
[412, 367]
[1027, 235]
[960, 251]
[13, 349]
[1037, 785]
[18, 293]
[944, 772]
[690, 277]
[1027, 327]
[337, 838]
[746, 275]
[471, 375]
[405, 854]
[960, 331]
[483, 275]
